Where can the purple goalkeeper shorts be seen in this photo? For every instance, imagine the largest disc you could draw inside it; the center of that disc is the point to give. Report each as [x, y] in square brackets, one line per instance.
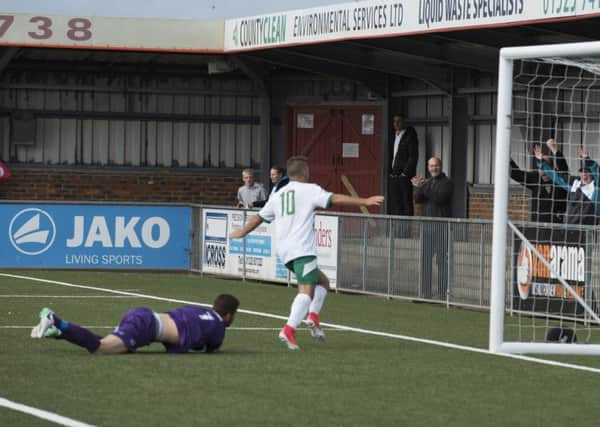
[137, 328]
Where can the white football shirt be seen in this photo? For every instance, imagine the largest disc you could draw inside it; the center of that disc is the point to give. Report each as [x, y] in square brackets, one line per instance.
[293, 210]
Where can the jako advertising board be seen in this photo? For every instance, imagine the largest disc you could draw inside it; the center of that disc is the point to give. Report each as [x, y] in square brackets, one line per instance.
[95, 236]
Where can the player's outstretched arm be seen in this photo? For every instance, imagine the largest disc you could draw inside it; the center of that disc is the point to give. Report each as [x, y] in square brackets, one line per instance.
[252, 223]
[344, 200]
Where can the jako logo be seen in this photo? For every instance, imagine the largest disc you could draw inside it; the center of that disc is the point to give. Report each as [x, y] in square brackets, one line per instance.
[155, 232]
[32, 231]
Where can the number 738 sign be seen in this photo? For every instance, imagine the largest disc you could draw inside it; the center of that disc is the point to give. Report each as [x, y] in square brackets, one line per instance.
[110, 33]
[44, 27]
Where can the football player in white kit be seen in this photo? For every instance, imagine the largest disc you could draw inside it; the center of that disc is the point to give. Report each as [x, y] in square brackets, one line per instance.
[292, 208]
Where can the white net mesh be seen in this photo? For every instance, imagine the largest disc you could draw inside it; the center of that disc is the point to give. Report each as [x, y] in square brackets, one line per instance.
[555, 199]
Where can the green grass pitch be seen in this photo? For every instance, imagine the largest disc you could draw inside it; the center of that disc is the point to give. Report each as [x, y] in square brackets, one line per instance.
[352, 379]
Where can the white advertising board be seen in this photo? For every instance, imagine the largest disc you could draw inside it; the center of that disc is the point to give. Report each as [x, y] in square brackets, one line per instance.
[372, 18]
[257, 252]
[326, 232]
[225, 256]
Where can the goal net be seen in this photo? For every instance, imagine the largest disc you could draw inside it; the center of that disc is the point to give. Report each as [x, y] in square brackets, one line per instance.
[545, 262]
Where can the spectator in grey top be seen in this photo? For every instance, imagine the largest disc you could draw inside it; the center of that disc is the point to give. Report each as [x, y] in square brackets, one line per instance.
[251, 191]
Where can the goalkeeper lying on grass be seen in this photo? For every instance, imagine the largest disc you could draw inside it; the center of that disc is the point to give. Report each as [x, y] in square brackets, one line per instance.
[180, 330]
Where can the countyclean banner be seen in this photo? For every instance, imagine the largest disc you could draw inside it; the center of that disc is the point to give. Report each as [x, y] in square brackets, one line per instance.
[95, 236]
[255, 256]
[372, 18]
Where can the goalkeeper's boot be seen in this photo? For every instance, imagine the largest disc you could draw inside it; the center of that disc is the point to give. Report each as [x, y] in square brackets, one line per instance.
[46, 326]
[287, 335]
[312, 321]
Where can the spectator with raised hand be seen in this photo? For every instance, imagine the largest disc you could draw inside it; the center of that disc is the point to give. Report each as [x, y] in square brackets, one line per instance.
[435, 195]
[548, 200]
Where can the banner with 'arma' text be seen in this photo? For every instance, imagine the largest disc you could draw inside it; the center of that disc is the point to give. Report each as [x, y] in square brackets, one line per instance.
[536, 288]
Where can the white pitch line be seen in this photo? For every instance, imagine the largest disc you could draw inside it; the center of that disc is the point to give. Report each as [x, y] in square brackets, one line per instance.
[40, 413]
[31, 326]
[330, 325]
[65, 296]
[231, 328]
[134, 294]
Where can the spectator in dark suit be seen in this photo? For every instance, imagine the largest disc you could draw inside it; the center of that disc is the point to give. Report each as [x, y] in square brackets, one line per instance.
[435, 194]
[549, 201]
[404, 148]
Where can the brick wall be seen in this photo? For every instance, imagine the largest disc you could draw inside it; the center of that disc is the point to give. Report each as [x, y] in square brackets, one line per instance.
[174, 187]
[481, 204]
[121, 186]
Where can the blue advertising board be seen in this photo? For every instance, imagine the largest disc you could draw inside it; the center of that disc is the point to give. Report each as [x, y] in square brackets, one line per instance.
[95, 236]
[255, 245]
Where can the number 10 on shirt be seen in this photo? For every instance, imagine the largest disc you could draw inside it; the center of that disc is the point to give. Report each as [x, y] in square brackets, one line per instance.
[288, 202]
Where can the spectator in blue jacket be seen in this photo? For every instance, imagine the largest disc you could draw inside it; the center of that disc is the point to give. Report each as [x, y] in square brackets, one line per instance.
[583, 192]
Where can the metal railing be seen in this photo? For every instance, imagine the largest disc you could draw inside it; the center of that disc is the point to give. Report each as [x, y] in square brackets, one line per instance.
[430, 259]
[442, 260]
[439, 260]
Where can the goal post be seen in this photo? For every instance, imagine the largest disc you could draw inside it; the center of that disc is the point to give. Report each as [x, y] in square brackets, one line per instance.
[564, 299]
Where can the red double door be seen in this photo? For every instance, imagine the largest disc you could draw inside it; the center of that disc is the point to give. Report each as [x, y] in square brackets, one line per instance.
[343, 145]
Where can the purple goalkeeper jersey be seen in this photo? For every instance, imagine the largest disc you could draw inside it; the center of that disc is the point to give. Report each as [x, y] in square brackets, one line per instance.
[199, 329]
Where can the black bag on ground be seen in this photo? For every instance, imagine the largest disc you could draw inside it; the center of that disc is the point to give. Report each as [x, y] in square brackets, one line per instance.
[561, 335]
